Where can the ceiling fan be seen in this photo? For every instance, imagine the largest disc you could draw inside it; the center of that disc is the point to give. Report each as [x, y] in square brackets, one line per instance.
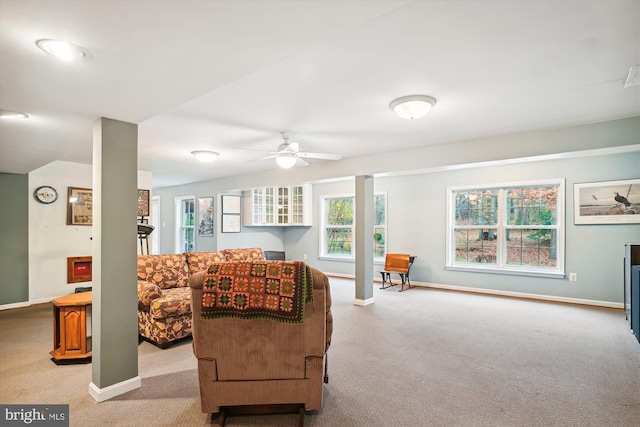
[288, 154]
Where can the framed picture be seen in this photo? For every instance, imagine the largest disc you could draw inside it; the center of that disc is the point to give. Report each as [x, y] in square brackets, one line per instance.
[231, 223]
[230, 204]
[607, 202]
[205, 217]
[143, 202]
[79, 269]
[80, 206]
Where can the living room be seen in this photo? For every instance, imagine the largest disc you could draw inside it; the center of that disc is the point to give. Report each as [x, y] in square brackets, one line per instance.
[415, 164]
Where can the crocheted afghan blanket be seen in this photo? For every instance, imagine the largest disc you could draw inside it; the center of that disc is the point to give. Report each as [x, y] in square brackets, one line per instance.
[273, 290]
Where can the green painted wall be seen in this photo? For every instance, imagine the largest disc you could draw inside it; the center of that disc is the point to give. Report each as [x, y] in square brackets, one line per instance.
[14, 238]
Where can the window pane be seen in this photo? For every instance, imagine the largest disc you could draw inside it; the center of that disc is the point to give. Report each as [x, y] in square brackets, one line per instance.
[340, 211]
[378, 242]
[532, 205]
[338, 241]
[476, 246]
[379, 203]
[477, 208]
[531, 247]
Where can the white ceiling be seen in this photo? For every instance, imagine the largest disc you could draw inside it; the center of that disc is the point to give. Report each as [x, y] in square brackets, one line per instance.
[225, 75]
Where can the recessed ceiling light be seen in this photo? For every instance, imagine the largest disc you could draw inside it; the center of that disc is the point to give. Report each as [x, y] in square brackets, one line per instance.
[205, 156]
[413, 106]
[8, 114]
[64, 51]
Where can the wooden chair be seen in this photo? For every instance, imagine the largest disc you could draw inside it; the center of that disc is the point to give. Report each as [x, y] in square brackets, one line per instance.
[399, 264]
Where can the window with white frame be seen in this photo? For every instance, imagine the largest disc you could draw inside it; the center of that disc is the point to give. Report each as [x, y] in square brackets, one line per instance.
[185, 223]
[338, 226]
[507, 228]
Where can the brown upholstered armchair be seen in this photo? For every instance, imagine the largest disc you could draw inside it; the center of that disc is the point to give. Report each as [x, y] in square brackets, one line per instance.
[246, 362]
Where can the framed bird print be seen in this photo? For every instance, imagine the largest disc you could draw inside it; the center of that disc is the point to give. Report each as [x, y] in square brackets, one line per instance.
[607, 202]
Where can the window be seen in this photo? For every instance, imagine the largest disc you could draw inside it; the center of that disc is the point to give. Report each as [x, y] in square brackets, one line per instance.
[516, 228]
[185, 223]
[338, 226]
[379, 226]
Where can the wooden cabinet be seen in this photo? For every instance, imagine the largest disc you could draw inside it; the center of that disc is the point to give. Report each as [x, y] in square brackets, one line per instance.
[72, 327]
[278, 206]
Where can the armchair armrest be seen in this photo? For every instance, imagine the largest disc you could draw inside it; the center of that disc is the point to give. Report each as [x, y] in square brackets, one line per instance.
[147, 292]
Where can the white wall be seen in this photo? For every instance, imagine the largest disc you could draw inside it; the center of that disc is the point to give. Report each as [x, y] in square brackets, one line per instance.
[416, 182]
[51, 241]
[417, 225]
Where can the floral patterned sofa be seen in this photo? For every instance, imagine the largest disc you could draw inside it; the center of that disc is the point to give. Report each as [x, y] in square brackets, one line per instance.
[164, 295]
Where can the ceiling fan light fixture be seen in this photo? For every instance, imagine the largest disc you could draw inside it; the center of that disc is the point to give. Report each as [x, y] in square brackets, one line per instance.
[413, 106]
[8, 114]
[205, 156]
[286, 160]
[64, 51]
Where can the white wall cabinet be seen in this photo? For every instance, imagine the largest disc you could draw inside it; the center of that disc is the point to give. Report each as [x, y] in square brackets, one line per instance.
[278, 206]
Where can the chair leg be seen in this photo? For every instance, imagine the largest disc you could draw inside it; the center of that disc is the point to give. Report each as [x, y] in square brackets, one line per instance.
[385, 277]
[405, 279]
[219, 418]
[326, 369]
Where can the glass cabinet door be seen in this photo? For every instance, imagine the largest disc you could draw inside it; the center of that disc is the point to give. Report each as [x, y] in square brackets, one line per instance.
[283, 205]
[269, 206]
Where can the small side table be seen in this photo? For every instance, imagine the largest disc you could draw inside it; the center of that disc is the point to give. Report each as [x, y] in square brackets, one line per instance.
[72, 328]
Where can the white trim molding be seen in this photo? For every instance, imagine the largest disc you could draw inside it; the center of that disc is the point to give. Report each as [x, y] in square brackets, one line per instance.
[551, 298]
[102, 394]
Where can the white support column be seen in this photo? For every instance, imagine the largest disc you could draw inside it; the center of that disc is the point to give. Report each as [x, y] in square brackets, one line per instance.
[364, 240]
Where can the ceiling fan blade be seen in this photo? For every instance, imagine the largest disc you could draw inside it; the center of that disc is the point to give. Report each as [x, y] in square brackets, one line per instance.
[323, 156]
[288, 147]
[271, 156]
[254, 149]
[301, 162]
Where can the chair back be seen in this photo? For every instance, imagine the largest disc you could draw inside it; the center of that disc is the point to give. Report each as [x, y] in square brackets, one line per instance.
[397, 262]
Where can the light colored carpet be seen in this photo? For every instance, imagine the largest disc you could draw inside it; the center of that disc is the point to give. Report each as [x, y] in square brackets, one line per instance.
[422, 357]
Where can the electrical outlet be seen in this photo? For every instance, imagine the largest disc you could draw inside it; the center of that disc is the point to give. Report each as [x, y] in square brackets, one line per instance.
[305, 256]
[573, 277]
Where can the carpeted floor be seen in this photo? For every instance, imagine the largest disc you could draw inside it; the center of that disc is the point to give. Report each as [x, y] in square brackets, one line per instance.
[423, 357]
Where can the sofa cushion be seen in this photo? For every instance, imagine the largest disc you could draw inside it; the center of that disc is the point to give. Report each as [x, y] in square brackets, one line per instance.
[173, 302]
[147, 292]
[244, 254]
[166, 271]
[198, 261]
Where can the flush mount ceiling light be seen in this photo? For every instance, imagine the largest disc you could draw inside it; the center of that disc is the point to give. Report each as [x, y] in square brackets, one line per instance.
[205, 156]
[413, 106]
[64, 51]
[286, 160]
[8, 114]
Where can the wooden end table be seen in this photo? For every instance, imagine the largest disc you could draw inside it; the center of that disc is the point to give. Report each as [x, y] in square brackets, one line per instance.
[72, 328]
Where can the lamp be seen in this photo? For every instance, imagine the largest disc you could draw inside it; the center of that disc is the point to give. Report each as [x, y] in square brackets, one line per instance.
[64, 51]
[286, 160]
[413, 106]
[205, 156]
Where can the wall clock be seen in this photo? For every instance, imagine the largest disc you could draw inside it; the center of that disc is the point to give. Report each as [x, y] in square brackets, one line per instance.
[46, 194]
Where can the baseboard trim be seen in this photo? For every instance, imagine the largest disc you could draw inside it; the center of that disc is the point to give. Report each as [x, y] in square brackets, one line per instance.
[15, 305]
[102, 394]
[550, 298]
[363, 302]
[522, 295]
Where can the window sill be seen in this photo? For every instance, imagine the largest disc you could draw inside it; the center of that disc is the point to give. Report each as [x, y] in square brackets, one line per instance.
[351, 260]
[512, 272]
